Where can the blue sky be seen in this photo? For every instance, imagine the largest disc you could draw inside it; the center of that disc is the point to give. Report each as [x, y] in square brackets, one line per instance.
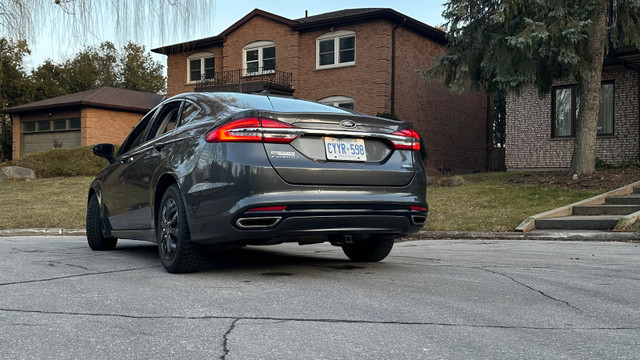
[225, 13]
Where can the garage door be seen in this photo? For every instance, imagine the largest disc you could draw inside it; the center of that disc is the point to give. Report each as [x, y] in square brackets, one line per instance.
[45, 141]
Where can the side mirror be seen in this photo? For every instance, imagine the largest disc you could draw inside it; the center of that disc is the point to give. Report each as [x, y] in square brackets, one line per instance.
[104, 151]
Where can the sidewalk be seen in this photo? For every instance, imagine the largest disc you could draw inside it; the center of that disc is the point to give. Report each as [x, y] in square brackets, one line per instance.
[466, 235]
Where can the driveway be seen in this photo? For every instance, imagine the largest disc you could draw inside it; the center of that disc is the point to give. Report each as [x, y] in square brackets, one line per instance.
[453, 299]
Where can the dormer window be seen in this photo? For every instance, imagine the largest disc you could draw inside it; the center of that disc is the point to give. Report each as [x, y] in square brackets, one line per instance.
[259, 58]
[336, 49]
[200, 66]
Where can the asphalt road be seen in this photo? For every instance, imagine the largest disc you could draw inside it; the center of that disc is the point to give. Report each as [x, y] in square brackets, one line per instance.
[432, 299]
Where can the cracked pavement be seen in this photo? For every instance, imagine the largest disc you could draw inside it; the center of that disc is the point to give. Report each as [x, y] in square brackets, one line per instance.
[496, 299]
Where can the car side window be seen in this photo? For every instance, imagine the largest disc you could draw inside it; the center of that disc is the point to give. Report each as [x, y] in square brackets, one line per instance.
[166, 120]
[189, 111]
[137, 134]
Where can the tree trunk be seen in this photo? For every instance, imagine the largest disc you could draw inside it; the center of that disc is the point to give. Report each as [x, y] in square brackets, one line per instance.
[583, 161]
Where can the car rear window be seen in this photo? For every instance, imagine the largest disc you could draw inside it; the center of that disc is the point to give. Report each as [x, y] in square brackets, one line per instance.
[275, 103]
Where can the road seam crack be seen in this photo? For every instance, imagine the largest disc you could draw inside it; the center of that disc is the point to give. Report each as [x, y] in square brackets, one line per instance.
[76, 276]
[235, 319]
[225, 339]
[532, 289]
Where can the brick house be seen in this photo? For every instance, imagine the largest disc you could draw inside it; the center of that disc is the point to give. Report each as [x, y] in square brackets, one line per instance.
[363, 59]
[540, 130]
[89, 117]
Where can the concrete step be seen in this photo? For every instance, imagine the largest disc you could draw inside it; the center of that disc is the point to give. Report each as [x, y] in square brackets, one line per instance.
[636, 189]
[610, 209]
[602, 222]
[633, 199]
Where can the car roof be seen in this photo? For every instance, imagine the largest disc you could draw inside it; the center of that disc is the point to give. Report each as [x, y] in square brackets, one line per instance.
[266, 102]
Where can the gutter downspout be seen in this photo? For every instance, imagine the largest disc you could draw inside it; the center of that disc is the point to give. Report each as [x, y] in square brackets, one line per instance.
[393, 65]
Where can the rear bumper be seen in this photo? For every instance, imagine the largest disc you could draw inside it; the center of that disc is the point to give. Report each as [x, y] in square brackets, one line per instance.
[312, 218]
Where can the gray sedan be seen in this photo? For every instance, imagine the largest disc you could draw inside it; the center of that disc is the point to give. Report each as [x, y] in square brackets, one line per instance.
[227, 170]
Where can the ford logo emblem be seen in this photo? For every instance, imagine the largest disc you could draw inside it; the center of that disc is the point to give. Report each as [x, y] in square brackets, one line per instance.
[348, 124]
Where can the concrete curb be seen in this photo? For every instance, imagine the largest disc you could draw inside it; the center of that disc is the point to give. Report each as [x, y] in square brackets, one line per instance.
[531, 235]
[433, 235]
[42, 232]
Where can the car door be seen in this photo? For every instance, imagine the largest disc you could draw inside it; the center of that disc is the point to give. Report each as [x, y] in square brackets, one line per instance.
[142, 163]
[116, 191]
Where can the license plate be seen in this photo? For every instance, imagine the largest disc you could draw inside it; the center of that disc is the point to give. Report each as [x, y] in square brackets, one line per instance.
[345, 149]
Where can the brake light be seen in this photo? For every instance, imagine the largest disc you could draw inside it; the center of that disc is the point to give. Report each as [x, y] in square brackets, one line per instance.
[251, 130]
[268, 208]
[418, 208]
[412, 141]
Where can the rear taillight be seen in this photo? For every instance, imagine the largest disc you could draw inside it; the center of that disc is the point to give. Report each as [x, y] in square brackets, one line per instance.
[411, 140]
[251, 130]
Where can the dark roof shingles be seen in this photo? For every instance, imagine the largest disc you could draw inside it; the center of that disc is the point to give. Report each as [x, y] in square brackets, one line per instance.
[105, 97]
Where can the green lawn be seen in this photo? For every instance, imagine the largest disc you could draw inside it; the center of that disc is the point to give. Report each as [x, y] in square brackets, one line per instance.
[485, 202]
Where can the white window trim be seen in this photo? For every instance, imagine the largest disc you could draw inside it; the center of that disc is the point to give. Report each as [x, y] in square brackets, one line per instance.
[257, 45]
[199, 56]
[336, 36]
[336, 100]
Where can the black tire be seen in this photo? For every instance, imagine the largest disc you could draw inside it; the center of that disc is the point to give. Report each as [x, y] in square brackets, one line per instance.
[371, 250]
[94, 226]
[177, 253]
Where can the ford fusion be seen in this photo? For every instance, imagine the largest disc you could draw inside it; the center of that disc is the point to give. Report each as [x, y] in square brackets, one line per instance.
[226, 170]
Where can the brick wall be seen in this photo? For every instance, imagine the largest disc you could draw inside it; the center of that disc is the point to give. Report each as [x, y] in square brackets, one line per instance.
[177, 76]
[528, 131]
[106, 126]
[368, 82]
[260, 28]
[452, 125]
[15, 134]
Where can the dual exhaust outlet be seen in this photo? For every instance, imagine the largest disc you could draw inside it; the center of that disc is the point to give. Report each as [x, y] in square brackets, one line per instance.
[267, 222]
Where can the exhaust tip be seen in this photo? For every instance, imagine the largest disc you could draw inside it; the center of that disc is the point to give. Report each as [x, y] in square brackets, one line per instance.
[418, 219]
[258, 222]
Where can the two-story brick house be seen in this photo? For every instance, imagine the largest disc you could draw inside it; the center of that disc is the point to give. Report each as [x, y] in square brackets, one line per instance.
[540, 130]
[363, 59]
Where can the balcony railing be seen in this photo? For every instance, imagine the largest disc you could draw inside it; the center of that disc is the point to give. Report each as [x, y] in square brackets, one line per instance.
[248, 81]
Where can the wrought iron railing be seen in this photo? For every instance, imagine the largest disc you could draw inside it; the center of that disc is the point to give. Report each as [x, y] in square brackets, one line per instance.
[239, 76]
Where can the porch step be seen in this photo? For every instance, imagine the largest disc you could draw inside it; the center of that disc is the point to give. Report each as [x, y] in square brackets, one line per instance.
[633, 199]
[591, 210]
[601, 222]
[636, 189]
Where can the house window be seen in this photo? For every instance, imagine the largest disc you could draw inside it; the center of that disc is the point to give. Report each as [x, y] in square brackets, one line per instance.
[259, 58]
[605, 120]
[201, 66]
[336, 49]
[51, 125]
[565, 110]
[339, 101]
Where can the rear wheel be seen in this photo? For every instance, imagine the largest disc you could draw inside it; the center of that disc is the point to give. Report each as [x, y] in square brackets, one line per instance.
[177, 253]
[94, 226]
[371, 250]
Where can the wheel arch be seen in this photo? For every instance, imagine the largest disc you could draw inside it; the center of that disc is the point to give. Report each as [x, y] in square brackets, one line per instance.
[163, 184]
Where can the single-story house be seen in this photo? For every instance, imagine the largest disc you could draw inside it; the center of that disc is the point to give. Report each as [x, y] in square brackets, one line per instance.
[89, 117]
[540, 131]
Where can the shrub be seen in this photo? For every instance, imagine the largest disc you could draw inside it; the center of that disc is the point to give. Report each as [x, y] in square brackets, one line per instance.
[78, 161]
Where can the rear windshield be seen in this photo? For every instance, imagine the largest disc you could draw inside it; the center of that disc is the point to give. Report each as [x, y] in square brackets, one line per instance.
[276, 103]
